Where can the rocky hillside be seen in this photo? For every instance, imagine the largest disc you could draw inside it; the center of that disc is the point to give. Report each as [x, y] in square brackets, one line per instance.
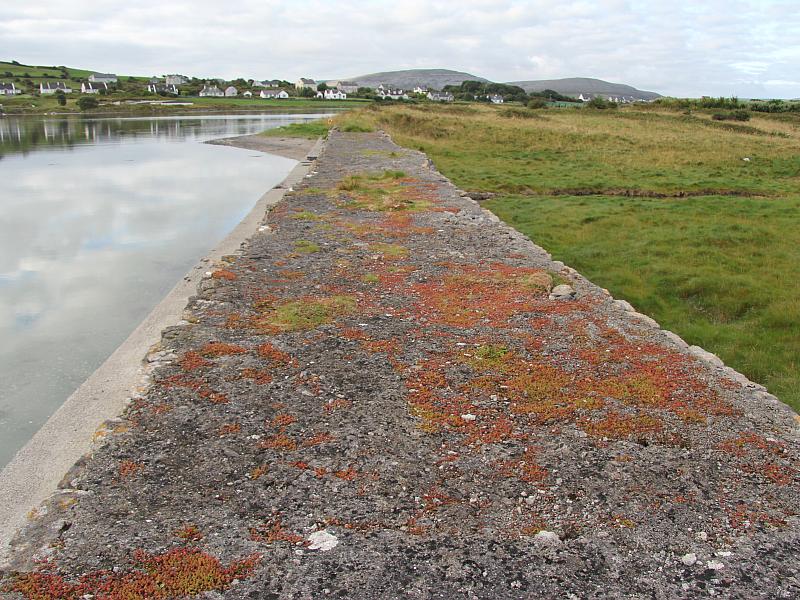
[432, 78]
[572, 86]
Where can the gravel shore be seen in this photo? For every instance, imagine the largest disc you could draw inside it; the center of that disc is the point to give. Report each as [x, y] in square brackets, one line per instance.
[389, 393]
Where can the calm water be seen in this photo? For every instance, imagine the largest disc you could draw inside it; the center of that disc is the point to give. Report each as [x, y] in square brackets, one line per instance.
[99, 218]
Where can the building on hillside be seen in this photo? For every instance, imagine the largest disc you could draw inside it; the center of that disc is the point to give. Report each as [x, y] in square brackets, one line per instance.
[175, 79]
[305, 83]
[496, 99]
[585, 97]
[103, 78]
[51, 87]
[421, 89]
[384, 92]
[269, 84]
[274, 94]
[440, 97]
[332, 94]
[347, 87]
[88, 87]
[9, 89]
[162, 88]
[211, 91]
[231, 91]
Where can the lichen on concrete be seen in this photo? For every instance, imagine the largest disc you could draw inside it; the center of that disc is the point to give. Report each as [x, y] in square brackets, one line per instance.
[408, 411]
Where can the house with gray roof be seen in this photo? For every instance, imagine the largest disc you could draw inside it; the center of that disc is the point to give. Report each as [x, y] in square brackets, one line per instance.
[274, 94]
[103, 78]
[440, 97]
[211, 90]
[88, 87]
[51, 87]
[385, 91]
[162, 88]
[175, 79]
[9, 89]
[304, 82]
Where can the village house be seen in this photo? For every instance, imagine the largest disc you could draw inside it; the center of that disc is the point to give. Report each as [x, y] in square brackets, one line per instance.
[347, 87]
[9, 89]
[247, 94]
[332, 94]
[231, 91]
[88, 87]
[274, 94]
[158, 88]
[421, 89]
[385, 92]
[103, 78]
[211, 90]
[585, 97]
[51, 87]
[304, 82]
[271, 83]
[495, 99]
[175, 79]
[440, 97]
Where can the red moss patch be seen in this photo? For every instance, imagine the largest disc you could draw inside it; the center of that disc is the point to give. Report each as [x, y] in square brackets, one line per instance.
[216, 349]
[224, 274]
[178, 573]
[192, 361]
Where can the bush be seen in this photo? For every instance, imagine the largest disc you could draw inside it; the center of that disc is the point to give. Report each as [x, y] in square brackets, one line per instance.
[737, 115]
[518, 113]
[87, 103]
[601, 103]
[537, 103]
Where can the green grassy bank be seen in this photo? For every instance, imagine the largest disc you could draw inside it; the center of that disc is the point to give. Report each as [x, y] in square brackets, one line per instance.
[694, 221]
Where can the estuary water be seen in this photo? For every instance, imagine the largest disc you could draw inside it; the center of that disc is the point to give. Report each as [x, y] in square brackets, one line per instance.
[99, 218]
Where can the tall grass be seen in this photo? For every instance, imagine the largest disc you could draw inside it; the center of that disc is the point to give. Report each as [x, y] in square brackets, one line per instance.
[716, 259]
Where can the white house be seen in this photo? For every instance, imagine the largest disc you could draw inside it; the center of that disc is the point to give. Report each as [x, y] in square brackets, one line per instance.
[176, 79]
[274, 94]
[496, 99]
[271, 83]
[51, 87]
[157, 88]
[231, 91]
[87, 87]
[585, 97]
[211, 90]
[420, 89]
[332, 94]
[103, 78]
[9, 89]
[247, 94]
[440, 96]
[384, 92]
[304, 82]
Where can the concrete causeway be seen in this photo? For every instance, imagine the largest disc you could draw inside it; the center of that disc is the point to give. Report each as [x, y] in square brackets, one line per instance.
[390, 394]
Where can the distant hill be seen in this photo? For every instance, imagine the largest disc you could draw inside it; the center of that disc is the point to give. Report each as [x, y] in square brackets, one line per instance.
[432, 78]
[573, 86]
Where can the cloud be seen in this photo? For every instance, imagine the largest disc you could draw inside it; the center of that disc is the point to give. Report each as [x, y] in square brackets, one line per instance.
[681, 48]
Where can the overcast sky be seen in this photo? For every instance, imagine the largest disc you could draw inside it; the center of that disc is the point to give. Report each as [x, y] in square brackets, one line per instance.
[746, 48]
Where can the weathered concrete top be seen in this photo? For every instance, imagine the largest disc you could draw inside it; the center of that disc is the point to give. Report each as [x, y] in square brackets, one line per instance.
[381, 397]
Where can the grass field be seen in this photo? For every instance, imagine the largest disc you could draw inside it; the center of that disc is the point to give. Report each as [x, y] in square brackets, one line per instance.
[24, 104]
[659, 207]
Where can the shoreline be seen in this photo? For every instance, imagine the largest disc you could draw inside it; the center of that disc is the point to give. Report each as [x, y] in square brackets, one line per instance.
[75, 430]
[289, 147]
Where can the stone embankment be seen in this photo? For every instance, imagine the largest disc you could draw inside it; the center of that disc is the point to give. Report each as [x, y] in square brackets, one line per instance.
[391, 394]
